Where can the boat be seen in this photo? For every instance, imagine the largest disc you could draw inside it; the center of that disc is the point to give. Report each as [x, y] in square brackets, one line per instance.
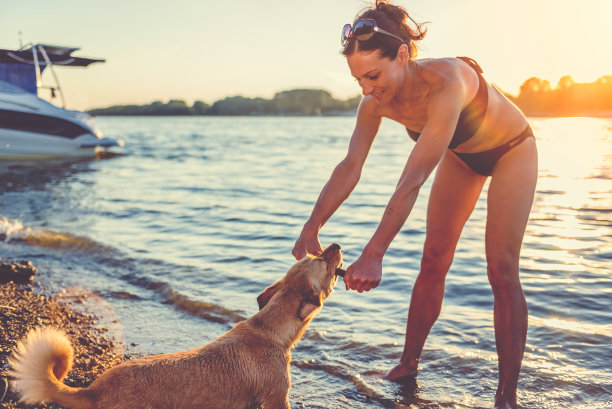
[33, 128]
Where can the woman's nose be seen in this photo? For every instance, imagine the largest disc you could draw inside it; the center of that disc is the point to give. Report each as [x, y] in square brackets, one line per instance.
[366, 89]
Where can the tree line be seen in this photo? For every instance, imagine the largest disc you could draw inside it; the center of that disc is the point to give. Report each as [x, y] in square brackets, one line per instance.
[536, 98]
[569, 98]
[292, 102]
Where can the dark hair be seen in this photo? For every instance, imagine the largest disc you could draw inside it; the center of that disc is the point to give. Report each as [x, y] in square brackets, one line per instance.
[393, 19]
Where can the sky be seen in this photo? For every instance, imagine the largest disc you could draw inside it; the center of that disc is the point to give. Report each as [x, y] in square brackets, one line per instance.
[208, 50]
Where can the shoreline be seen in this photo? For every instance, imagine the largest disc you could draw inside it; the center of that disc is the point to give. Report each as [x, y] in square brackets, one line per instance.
[23, 307]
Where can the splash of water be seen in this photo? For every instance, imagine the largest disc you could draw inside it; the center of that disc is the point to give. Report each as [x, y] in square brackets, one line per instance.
[15, 231]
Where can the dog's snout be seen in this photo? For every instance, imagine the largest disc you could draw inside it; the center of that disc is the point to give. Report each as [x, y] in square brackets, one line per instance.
[333, 248]
[332, 253]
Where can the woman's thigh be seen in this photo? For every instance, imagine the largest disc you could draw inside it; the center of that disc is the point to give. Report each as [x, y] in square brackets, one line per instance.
[454, 194]
[509, 201]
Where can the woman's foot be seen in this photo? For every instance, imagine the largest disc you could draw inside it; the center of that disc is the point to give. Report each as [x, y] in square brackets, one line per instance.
[401, 373]
[502, 403]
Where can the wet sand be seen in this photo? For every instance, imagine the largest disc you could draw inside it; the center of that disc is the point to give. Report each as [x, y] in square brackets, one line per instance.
[23, 307]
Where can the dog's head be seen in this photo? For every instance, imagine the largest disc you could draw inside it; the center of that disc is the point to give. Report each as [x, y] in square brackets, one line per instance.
[311, 280]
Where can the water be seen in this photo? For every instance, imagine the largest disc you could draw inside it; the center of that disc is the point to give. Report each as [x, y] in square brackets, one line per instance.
[177, 236]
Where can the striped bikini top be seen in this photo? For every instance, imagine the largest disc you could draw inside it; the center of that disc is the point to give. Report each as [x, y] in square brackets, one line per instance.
[472, 115]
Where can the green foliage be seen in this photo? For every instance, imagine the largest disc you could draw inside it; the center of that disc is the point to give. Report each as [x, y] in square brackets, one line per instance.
[308, 102]
[568, 98]
[536, 98]
[293, 102]
[200, 108]
[173, 107]
[241, 106]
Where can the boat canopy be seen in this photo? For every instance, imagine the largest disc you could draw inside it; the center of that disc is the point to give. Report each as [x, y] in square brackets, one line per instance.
[23, 76]
[19, 67]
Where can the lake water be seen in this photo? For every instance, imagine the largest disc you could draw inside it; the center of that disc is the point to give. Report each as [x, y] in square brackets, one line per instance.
[177, 236]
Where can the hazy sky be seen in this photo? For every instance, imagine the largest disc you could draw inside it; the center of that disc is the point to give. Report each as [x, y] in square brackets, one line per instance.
[208, 50]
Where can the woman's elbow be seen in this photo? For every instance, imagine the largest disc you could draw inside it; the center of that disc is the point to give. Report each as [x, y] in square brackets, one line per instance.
[350, 168]
[411, 183]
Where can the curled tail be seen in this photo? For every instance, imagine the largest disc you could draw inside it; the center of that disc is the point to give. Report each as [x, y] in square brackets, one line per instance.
[39, 364]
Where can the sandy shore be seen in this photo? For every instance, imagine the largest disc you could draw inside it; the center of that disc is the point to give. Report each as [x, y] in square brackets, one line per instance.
[23, 307]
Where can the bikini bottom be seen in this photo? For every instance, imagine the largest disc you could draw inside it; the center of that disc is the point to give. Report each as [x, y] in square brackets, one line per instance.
[484, 162]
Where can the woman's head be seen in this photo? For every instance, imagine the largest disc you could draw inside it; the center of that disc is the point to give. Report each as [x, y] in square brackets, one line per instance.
[394, 24]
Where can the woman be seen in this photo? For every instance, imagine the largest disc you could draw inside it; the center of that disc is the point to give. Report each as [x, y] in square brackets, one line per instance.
[470, 131]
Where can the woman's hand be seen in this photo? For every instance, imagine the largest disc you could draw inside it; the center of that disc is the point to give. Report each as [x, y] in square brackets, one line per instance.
[308, 242]
[364, 274]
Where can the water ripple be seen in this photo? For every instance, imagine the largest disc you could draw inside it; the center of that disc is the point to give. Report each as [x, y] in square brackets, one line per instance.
[199, 215]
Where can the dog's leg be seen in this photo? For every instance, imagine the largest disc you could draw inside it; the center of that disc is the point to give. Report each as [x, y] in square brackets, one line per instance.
[276, 401]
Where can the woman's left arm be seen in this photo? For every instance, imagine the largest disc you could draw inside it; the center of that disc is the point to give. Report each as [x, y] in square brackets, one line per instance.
[443, 113]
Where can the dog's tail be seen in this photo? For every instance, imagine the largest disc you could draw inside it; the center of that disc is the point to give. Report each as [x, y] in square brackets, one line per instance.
[40, 362]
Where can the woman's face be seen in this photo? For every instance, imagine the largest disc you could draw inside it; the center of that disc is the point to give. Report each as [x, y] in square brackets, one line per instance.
[379, 77]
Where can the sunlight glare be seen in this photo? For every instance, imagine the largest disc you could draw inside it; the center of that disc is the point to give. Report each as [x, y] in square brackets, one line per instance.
[574, 326]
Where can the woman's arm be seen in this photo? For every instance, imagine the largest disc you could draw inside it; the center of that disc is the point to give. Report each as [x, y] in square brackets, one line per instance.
[342, 181]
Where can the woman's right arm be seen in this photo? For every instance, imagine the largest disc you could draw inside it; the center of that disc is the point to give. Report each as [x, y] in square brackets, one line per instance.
[343, 180]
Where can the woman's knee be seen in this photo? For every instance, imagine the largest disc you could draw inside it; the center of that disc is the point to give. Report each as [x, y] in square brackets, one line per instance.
[503, 272]
[435, 263]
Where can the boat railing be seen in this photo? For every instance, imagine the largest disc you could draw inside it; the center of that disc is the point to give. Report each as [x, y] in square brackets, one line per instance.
[40, 48]
[49, 64]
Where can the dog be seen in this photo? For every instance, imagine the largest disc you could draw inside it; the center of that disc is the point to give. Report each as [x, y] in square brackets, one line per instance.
[247, 367]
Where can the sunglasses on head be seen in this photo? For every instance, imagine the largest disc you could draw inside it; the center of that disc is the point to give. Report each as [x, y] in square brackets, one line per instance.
[363, 30]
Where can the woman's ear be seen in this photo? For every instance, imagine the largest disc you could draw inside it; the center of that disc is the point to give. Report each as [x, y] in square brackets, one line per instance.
[403, 54]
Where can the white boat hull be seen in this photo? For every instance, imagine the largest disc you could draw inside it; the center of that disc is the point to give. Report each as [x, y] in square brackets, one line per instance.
[18, 145]
[31, 128]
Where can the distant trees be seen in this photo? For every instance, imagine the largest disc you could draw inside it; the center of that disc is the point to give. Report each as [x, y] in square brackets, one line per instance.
[311, 102]
[241, 106]
[200, 108]
[568, 98]
[293, 102]
[536, 98]
[172, 107]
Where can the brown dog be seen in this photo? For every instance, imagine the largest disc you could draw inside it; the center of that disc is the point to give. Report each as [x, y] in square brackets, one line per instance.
[246, 367]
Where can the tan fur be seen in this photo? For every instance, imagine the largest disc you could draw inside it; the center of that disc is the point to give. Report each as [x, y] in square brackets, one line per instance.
[246, 367]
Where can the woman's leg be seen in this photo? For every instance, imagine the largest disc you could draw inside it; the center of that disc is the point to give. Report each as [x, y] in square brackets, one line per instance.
[509, 202]
[454, 193]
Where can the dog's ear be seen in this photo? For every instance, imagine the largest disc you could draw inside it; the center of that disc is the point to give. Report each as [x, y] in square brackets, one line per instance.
[309, 304]
[267, 295]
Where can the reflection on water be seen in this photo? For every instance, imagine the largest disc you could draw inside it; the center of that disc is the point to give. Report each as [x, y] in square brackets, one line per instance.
[181, 233]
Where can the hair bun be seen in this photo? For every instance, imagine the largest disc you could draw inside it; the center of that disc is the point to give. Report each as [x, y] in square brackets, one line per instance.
[394, 12]
[381, 4]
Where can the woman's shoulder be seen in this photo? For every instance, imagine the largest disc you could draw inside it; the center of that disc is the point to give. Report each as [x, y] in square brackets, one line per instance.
[446, 66]
[448, 73]
[369, 108]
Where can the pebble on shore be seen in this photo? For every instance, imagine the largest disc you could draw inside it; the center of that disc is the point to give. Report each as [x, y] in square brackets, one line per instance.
[22, 309]
[20, 272]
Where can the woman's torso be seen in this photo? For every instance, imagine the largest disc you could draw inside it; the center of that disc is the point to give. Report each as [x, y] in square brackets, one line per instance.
[488, 128]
